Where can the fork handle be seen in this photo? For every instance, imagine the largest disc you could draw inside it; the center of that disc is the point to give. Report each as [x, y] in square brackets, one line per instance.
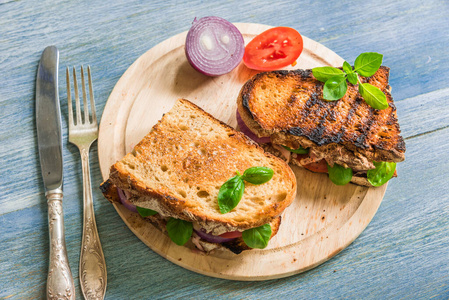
[59, 280]
[92, 268]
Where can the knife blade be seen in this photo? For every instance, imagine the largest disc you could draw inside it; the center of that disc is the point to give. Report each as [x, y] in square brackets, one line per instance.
[48, 123]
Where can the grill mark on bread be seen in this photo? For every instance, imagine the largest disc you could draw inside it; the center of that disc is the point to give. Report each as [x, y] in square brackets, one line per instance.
[355, 105]
[361, 140]
[349, 122]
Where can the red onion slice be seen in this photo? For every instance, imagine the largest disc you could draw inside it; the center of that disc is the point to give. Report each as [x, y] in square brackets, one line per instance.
[214, 46]
[212, 238]
[126, 203]
[249, 133]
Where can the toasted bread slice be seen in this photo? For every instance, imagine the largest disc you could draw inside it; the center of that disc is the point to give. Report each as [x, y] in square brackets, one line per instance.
[179, 167]
[288, 107]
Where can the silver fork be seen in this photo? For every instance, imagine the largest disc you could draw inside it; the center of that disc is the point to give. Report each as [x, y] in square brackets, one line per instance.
[83, 131]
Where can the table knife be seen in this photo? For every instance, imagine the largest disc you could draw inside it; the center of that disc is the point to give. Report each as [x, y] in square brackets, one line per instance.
[48, 123]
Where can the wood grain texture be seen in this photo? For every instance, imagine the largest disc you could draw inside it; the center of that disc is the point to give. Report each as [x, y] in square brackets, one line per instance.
[401, 254]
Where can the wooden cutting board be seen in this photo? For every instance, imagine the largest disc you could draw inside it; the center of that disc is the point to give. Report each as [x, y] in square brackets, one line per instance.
[321, 222]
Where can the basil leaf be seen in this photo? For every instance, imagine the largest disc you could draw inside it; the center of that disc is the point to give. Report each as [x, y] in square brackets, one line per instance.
[382, 173]
[257, 175]
[339, 174]
[230, 194]
[179, 231]
[353, 78]
[366, 64]
[373, 96]
[335, 88]
[257, 237]
[300, 150]
[145, 212]
[324, 73]
[347, 68]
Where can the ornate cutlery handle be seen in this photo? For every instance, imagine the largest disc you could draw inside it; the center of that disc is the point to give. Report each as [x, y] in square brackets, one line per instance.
[92, 271]
[59, 281]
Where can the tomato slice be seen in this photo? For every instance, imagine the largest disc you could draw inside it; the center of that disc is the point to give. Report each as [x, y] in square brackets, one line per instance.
[317, 166]
[273, 49]
[231, 234]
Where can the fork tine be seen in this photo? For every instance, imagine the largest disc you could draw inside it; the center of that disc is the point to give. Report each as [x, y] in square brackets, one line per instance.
[77, 99]
[91, 94]
[69, 97]
[86, 108]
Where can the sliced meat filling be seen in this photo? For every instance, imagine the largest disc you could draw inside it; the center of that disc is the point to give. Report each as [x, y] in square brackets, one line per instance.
[336, 154]
[332, 154]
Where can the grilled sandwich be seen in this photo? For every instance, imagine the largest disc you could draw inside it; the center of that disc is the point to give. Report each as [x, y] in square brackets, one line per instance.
[179, 167]
[288, 108]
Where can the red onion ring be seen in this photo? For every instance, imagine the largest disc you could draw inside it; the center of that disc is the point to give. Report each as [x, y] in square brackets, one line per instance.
[212, 238]
[214, 46]
[126, 203]
[249, 133]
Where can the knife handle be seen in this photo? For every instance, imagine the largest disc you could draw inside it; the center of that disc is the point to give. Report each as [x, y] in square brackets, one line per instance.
[92, 268]
[59, 281]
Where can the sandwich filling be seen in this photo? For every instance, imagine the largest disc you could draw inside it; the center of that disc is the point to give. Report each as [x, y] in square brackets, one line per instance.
[202, 239]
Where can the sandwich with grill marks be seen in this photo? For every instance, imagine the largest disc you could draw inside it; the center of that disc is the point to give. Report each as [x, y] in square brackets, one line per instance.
[286, 111]
[174, 175]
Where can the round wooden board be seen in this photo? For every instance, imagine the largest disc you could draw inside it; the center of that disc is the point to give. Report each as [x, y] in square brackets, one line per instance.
[322, 221]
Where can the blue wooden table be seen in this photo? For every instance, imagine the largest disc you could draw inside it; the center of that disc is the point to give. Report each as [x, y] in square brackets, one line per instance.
[403, 253]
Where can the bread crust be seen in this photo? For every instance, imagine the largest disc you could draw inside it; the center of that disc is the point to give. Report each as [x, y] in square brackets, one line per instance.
[206, 164]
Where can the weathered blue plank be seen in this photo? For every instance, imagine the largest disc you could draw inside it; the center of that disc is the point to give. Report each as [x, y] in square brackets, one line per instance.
[424, 113]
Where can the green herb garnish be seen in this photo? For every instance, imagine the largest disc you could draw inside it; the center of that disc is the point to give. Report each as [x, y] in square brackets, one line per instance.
[230, 194]
[339, 175]
[179, 231]
[257, 237]
[373, 96]
[335, 86]
[232, 190]
[324, 73]
[145, 212]
[257, 175]
[300, 150]
[382, 173]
